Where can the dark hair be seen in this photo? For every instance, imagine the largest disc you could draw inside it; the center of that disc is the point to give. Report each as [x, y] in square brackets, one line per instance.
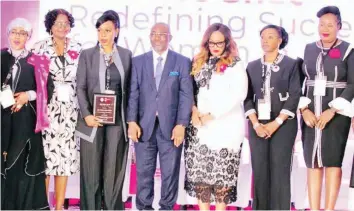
[52, 15]
[332, 10]
[281, 32]
[109, 15]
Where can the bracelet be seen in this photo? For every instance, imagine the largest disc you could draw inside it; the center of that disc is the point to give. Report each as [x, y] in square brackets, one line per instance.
[279, 120]
[255, 126]
[304, 109]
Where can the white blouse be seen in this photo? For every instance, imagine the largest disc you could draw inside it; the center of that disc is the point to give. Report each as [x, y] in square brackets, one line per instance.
[224, 100]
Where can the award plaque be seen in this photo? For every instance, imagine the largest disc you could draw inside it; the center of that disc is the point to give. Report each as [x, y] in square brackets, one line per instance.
[104, 108]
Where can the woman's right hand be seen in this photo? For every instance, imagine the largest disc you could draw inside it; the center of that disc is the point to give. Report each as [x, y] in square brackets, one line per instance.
[92, 121]
[309, 118]
[262, 132]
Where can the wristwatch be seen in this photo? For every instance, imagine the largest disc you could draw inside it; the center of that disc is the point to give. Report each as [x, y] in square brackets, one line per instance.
[279, 120]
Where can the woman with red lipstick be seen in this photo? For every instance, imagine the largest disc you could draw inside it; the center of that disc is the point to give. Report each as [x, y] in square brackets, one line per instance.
[23, 88]
[273, 96]
[104, 69]
[328, 68]
[214, 139]
[60, 147]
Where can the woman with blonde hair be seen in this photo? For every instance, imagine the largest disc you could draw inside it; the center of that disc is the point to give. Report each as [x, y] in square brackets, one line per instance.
[214, 139]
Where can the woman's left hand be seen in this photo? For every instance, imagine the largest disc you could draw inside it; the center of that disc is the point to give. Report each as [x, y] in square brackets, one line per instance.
[271, 127]
[21, 98]
[325, 117]
[205, 118]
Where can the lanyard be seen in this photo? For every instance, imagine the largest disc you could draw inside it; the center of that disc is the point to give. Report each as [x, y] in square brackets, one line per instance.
[324, 55]
[64, 63]
[107, 60]
[266, 74]
[12, 68]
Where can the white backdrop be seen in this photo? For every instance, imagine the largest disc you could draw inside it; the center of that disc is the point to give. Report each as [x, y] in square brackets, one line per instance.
[188, 20]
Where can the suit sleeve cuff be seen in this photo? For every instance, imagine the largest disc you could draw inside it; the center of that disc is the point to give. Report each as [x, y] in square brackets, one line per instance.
[183, 123]
[287, 112]
[131, 119]
[84, 114]
[249, 112]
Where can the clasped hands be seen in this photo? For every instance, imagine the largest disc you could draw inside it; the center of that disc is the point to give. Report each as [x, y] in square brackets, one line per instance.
[21, 98]
[320, 122]
[199, 119]
[266, 130]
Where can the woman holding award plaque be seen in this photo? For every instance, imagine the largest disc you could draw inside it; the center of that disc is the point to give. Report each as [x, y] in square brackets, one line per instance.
[326, 107]
[102, 80]
[271, 104]
[25, 89]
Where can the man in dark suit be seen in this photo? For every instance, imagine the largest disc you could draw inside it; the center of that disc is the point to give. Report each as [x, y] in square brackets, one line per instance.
[159, 109]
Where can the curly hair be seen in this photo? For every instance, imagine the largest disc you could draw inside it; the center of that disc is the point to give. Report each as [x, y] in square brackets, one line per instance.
[52, 15]
[230, 52]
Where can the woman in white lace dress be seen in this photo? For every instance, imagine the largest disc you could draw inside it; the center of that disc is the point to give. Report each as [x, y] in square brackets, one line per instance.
[213, 143]
[60, 147]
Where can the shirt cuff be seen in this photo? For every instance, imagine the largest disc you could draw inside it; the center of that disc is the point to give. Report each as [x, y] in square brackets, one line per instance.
[249, 112]
[343, 106]
[32, 95]
[304, 101]
[287, 112]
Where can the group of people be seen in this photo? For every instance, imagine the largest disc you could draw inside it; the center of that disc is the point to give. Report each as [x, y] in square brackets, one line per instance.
[166, 103]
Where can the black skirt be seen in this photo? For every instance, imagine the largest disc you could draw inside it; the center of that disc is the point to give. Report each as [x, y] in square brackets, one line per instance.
[20, 189]
[328, 150]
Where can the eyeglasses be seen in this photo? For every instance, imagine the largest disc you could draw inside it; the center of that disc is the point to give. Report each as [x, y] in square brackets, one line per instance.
[162, 36]
[20, 33]
[217, 44]
[62, 24]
